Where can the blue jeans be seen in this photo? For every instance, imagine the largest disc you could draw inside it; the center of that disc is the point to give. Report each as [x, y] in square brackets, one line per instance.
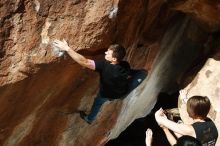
[98, 102]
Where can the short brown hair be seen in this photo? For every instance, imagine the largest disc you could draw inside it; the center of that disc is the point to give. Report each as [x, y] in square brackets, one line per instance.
[118, 51]
[198, 107]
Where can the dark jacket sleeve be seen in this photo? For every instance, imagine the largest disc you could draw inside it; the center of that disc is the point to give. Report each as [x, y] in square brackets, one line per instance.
[99, 64]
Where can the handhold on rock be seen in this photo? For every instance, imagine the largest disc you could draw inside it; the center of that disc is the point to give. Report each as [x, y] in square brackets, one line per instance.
[56, 50]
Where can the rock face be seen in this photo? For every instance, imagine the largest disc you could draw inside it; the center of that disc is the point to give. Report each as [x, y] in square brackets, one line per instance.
[41, 90]
[203, 11]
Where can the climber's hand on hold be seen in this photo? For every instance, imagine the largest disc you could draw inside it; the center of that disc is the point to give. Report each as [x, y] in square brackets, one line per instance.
[62, 45]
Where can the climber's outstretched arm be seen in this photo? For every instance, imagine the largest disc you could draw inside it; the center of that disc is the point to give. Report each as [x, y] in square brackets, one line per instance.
[76, 56]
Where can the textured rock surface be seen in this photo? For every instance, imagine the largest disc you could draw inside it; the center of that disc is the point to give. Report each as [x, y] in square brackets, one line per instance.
[40, 92]
[206, 83]
[203, 11]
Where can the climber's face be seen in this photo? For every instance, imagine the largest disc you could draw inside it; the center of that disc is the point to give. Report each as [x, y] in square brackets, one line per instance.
[109, 56]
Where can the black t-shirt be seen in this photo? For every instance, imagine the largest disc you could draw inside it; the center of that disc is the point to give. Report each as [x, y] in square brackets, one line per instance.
[113, 79]
[206, 132]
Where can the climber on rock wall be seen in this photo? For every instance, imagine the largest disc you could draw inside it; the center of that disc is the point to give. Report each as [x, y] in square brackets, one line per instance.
[114, 77]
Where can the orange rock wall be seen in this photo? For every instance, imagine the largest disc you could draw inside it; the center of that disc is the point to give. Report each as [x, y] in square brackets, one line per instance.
[40, 92]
